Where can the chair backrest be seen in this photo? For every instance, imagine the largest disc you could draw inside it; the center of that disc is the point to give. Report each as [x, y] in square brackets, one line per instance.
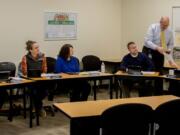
[126, 119]
[50, 64]
[8, 66]
[167, 116]
[91, 63]
[177, 73]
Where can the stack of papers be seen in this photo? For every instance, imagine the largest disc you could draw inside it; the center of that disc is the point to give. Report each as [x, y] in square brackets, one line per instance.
[51, 75]
[83, 73]
[16, 79]
[90, 73]
[148, 73]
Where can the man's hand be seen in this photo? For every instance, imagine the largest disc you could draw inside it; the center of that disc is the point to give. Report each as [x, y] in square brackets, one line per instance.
[160, 50]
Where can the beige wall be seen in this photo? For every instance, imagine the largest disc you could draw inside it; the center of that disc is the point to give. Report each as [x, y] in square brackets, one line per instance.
[99, 27]
[137, 15]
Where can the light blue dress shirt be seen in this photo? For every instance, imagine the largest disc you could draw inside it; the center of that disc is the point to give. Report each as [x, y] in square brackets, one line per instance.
[152, 39]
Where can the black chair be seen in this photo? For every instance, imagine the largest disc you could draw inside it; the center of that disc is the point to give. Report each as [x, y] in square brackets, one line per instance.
[50, 64]
[91, 63]
[168, 119]
[51, 86]
[51, 69]
[127, 119]
[8, 66]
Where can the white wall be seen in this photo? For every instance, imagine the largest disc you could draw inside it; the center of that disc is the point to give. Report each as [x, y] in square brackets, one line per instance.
[137, 15]
[99, 27]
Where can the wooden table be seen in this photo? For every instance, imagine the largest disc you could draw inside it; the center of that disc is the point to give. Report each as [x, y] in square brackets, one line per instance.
[90, 111]
[80, 76]
[145, 75]
[120, 75]
[63, 76]
[11, 86]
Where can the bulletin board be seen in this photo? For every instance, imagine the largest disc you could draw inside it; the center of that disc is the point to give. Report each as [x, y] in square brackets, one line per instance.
[60, 25]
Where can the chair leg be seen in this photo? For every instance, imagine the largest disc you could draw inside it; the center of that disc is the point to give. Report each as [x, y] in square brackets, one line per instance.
[50, 109]
[94, 89]
[152, 129]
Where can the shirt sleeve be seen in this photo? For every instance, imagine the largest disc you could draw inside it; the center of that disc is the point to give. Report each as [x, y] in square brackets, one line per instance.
[124, 64]
[24, 66]
[58, 66]
[149, 39]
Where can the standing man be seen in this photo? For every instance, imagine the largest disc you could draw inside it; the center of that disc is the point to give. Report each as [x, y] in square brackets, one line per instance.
[159, 44]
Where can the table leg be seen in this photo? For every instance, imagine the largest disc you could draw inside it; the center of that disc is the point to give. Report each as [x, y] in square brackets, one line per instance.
[10, 117]
[94, 89]
[111, 89]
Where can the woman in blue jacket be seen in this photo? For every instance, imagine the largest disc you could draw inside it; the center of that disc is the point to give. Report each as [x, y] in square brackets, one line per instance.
[67, 63]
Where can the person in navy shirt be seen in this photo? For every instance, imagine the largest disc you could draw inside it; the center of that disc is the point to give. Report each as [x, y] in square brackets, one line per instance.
[136, 59]
[67, 63]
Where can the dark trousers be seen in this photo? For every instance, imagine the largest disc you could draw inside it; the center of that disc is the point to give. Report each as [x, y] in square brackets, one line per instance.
[158, 61]
[79, 89]
[39, 92]
[144, 87]
[3, 97]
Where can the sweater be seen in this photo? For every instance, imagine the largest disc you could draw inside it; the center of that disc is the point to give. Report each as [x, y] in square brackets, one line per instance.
[140, 61]
[65, 66]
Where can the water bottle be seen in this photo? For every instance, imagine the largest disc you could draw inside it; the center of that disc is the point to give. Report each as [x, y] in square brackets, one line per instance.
[103, 67]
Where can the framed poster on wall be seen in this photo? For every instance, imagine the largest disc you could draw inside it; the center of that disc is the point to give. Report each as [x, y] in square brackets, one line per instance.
[60, 25]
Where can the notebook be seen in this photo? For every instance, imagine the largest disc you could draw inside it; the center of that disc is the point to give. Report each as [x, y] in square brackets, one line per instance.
[34, 73]
[72, 73]
[134, 70]
[4, 76]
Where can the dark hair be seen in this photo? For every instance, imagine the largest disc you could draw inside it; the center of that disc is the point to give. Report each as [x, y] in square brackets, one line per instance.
[130, 43]
[65, 50]
[29, 44]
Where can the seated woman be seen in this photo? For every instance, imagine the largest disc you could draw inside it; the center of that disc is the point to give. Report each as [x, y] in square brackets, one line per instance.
[65, 63]
[34, 59]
